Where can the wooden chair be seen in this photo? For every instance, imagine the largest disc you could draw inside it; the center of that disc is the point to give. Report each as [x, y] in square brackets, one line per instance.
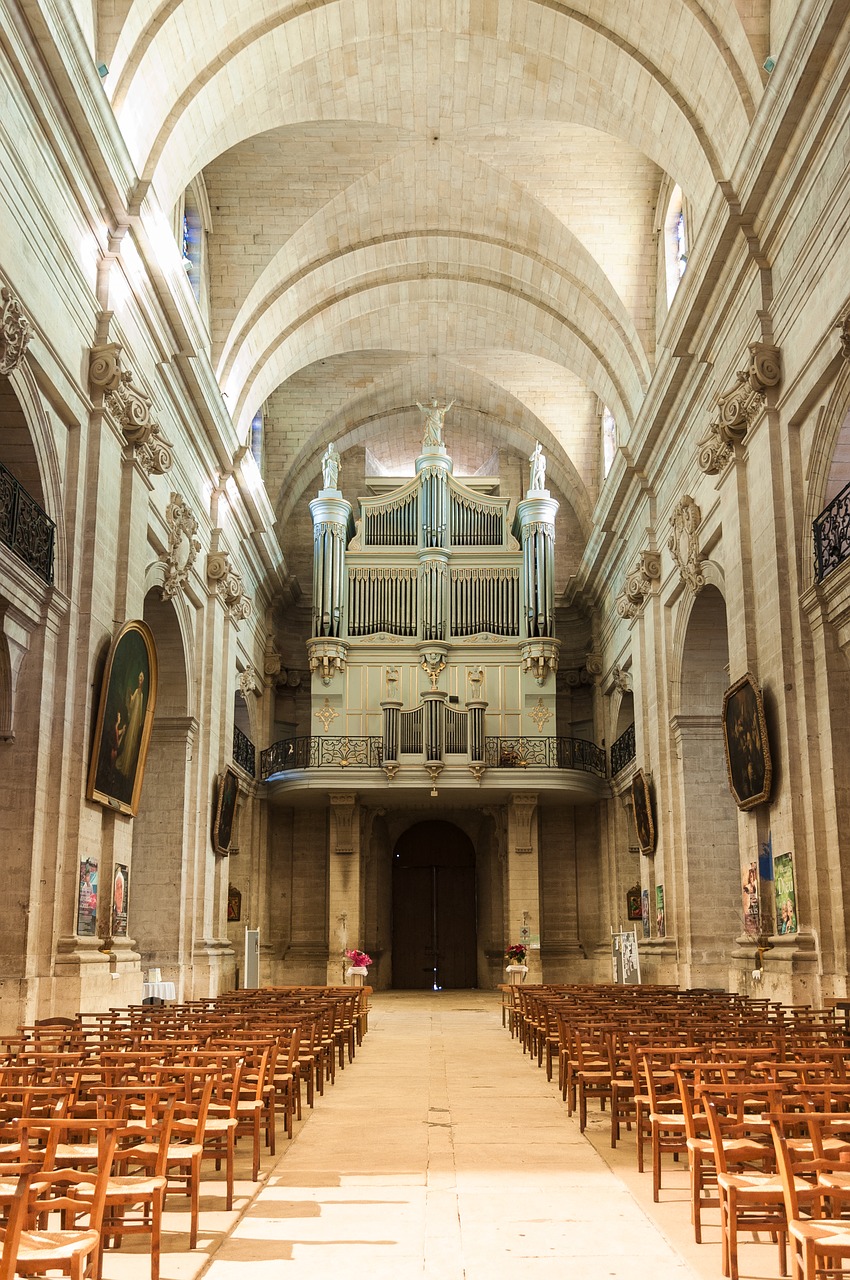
[666, 1119]
[818, 1243]
[15, 1203]
[135, 1195]
[79, 1197]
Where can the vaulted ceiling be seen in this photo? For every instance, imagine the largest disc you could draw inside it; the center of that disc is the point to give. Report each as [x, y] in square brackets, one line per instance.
[411, 198]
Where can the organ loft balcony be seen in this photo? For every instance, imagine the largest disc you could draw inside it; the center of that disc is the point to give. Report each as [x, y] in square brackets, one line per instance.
[433, 652]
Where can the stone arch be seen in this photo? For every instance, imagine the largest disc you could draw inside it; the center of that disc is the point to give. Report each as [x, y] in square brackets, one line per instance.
[710, 894]
[155, 579]
[161, 882]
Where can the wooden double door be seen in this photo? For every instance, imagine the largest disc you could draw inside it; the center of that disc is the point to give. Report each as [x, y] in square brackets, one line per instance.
[434, 915]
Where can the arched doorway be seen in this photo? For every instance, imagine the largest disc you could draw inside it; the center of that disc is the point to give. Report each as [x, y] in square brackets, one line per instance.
[434, 929]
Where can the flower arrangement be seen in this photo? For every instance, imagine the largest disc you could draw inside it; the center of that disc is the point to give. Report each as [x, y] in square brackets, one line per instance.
[358, 959]
[516, 954]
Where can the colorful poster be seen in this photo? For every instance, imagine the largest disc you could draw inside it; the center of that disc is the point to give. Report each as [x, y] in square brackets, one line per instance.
[644, 912]
[120, 897]
[750, 899]
[786, 897]
[659, 911]
[87, 899]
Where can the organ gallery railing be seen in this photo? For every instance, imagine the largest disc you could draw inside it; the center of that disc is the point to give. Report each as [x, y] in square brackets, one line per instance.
[313, 753]
[550, 753]
[499, 753]
[25, 528]
[832, 534]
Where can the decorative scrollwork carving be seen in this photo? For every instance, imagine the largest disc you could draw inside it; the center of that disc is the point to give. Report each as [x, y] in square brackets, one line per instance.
[131, 407]
[228, 585]
[327, 657]
[739, 406]
[684, 543]
[183, 545]
[250, 682]
[843, 326]
[639, 584]
[15, 332]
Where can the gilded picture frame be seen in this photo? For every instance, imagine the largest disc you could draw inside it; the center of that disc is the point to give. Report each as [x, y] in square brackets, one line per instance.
[124, 720]
[749, 767]
[644, 818]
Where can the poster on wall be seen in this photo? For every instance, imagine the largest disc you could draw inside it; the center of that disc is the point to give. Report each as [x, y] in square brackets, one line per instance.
[748, 762]
[87, 899]
[644, 912]
[120, 899]
[660, 925]
[786, 897]
[124, 720]
[750, 897]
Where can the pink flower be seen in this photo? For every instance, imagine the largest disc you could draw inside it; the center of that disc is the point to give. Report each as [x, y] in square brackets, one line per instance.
[359, 959]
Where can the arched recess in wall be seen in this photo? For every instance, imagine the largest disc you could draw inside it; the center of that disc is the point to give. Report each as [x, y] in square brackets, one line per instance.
[165, 834]
[710, 862]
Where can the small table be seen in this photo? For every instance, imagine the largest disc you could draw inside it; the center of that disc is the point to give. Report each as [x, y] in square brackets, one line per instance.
[158, 991]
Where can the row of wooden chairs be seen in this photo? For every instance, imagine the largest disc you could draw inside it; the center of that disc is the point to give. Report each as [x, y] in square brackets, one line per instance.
[165, 1089]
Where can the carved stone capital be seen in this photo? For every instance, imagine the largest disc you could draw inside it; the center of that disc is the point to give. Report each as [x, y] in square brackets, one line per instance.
[183, 545]
[639, 585]
[344, 831]
[228, 585]
[15, 332]
[739, 406]
[328, 657]
[521, 813]
[684, 543]
[131, 408]
[250, 682]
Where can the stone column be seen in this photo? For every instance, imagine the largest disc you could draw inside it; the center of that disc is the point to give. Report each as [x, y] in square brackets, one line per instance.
[522, 888]
[345, 892]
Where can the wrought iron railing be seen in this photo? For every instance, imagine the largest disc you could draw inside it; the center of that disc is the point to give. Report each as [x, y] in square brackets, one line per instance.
[623, 751]
[832, 534]
[548, 753]
[244, 752]
[313, 753]
[25, 528]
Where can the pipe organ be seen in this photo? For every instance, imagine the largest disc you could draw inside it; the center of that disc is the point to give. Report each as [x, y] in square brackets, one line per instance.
[438, 579]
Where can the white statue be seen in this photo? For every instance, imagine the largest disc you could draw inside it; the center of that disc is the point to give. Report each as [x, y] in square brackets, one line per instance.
[330, 467]
[434, 416]
[538, 468]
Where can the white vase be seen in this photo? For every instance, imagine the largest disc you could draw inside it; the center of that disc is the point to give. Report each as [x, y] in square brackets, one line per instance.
[516, 973]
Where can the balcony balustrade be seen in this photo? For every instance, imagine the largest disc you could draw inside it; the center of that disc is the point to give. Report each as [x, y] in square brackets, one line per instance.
[832, 534]
[244, 752]
[25, 528]
[623, 751]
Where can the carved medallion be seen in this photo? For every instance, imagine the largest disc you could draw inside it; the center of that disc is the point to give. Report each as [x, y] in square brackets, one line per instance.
[15, 332]
[684, 543]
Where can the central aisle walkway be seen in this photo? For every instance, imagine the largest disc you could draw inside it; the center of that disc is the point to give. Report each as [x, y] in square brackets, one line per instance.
[441, 1153]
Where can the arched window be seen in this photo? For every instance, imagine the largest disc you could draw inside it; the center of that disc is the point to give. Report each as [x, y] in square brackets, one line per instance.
[609, 439]
[256, 442]
[192, 227]
[675, 242]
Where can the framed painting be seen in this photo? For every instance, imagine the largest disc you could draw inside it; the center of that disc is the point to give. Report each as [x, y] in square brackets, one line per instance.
[642, 805]
[226, 795]
[633, 911]
[786, 895]
[124, 720]
[748, 763]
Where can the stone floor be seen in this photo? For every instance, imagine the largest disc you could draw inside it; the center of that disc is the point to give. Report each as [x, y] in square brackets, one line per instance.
[443, 1152]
